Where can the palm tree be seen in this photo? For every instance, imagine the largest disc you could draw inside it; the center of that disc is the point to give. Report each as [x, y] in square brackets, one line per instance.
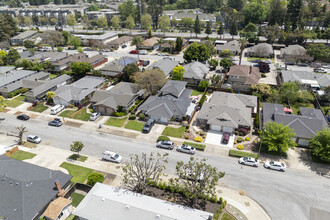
[137, 41]
[20, 130]
[242, 42]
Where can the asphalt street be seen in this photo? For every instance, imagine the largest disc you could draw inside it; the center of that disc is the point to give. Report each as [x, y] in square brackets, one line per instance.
[285, 196]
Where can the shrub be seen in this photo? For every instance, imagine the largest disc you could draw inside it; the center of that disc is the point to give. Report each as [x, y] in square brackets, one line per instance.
[235, 142]
[240, 147]
[11, 95]
[220, 200]
[94, 178]
[241, 133]
[243, 130]
[119, 114]
[236, 132]
[23, 90]
[198, 139]
[131, 108]
[163, 138]
[70, 105]
[239, 140]
[132, 117]
[214, 199]
[142, 116]
[247, 139]
[256, 122]
[186, 136]
[237, 153]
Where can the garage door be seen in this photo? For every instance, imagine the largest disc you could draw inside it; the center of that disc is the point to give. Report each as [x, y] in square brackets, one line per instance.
[227, 129]
[215, 127]
[303, 142]
[163, 120]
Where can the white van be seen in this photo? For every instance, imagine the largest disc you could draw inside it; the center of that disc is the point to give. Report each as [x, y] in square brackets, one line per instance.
[56, 109]
[143, 52]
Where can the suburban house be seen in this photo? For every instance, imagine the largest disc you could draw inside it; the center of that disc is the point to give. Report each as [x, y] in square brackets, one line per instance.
[166, 65]
[233, 46]
[40, 91]
[241, 77]
[100, 39]
[77, 92]
[43, 56]
[27, 189]
[294, 53]
[114, 68]
[195, 72]
[305, 125]
[190, 13]
[58, 209]
[172, 102]
[64, 63]
[123, 96]
[29, 82]
[261, 50]
[308, 79]
[20, 38]
[115, 44]
[108, 13]
[149, 44]
[105, 200]
[226, 112]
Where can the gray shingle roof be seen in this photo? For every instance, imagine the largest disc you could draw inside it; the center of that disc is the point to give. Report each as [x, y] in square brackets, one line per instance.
[293, 50]
[120, 40]
[313, 113]
[25, 189]
[291, 76]
[173, 88]
[51, 56]
[5, 69]
[195, 70]
[233, 100]
[13, 76]
[262, 49]
[165, 64]
[119, 64]
[231, 45]
[24, 35]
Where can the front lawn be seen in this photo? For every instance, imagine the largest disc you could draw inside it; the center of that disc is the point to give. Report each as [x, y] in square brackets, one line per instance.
[295, 107]
[116, 122]
[13, 103]
[135, 125]
[76, 199]
[226, 216]
[39, 108]
[22, 155]
[174, 132]
[82, 115]
[200, 147]
[196, 92]
[79, 173]
[67, 113]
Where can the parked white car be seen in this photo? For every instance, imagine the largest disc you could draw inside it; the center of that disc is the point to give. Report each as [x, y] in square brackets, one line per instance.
[143, 52]
[186, 149]
[112, 156]
[250, 161]
[275, 165]
[165, 144]
[33, 139]
[56, 109]
[95, 116]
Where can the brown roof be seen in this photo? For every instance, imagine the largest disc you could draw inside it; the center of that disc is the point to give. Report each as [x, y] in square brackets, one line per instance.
[72, 58]
[120, 40]
[150, 42]
[95, 58]
[251, 73]
[55, 207]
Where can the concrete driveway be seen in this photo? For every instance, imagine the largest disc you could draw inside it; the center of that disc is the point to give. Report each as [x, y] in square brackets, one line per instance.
[215, 137]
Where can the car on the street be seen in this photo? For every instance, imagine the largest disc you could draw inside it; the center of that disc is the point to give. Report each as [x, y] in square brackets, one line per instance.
[320, 70]
[123, 46]
[275, 165]
[23, 117]
[56, 122]
[267, 61]
[33, 139]
[225, 138]
[165, 144]
[146, 63]
[255, 61]
[88, 49]
[133, 52]
[302, 64]
[106, 50]
[161, 54]
[148, 125]
[250, 161]
[186, 149]
[143, 52]
[112, 156]
[95, 116]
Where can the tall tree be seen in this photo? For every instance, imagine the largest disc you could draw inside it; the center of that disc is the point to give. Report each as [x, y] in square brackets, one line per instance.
[197, 52]
[277, 137]
[93, 7]
[127, 9]
[221, 29]
[129, 71]
[177, 73]
[236, 4]
[77, 146]
[11, 57]
[115, 22]
[289, 92]
[320, 144]
[208, 29]
[8, 27]
[178, 44]
[79, 69]
[141, 169]
[294, 12]
[233, 28]
[150, 80]
[146, 22]
[164, 23]
[74, 41]
[102, 22]
[242, 44]
[129, 23]
[156, 10]
[71, 21]
[255, 13]
[197, 26]
[277, 12]
[52, 38]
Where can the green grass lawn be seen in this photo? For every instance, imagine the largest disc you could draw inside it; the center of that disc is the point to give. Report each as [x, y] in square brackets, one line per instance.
[135, 125]
[295, 107]
[15, 102]
[82, 115]
[174, 132]
[72, 217]
[196, 92]
[226, 216]
[52, 76]
[257, 58]
[22, 155]
[116, 122]
[39, 108]
[67, 113]
[76, 199]
[79, 173]
[78, 157]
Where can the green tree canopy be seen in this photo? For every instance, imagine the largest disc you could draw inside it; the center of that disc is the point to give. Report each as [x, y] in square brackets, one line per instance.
[146, 21]
[102, 22]
[93, 7]
[77, 146]
[277, 137]
[164, 22]
[254, 12]
[115, 22]
[226, 63]
[213, 63]
[289, 92]
[79, 69]
[320, 144]
[74, 41]
[71, 20]
[129, 71]
[203, 85]
[208, 29]
[11, 57]
[2, 103]
[277, 12]
[197, 52]
[177, 73]
[319, 51]
[197, 26]
[129, 23]
[127, 9]
[178, 44]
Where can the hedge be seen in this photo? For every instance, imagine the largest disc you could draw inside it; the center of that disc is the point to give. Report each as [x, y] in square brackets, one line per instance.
[236, 153]
[217, 214]
[200, 147]
[142, 116]
[132, 117]
[94, 178]
[163, 138]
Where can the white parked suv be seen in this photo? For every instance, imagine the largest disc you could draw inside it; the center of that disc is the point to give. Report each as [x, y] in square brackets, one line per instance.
[275, 165]
[112, 156]
[250, 161]
[95, 116]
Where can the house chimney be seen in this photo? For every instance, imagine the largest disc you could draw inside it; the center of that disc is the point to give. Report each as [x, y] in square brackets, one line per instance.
[61, 191]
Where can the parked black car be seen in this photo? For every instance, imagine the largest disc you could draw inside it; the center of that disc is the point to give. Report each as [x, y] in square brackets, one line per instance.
[147, 127]
[23, 117]
[146, 63]
[56, 122]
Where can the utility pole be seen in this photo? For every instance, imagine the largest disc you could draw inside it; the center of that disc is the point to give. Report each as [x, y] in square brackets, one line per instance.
[140, 5]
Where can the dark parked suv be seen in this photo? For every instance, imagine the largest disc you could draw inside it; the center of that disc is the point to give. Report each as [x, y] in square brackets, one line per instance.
[147, 127]
[23, 117]
[225, 138]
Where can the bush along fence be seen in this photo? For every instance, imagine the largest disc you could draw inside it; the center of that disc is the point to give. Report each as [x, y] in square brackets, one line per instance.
[236, 153]
[222, 206]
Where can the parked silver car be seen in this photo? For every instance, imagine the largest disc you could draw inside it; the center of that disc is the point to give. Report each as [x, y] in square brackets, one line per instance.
[186, 149]
[95, 116]
[249, 161]
[275, 165]
[165, 144]
[33, 139]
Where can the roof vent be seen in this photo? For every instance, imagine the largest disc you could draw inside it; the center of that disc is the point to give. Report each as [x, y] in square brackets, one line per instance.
[17, 183]
[158, 216]
[127, 207]
[11, 182]
[103, 199]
